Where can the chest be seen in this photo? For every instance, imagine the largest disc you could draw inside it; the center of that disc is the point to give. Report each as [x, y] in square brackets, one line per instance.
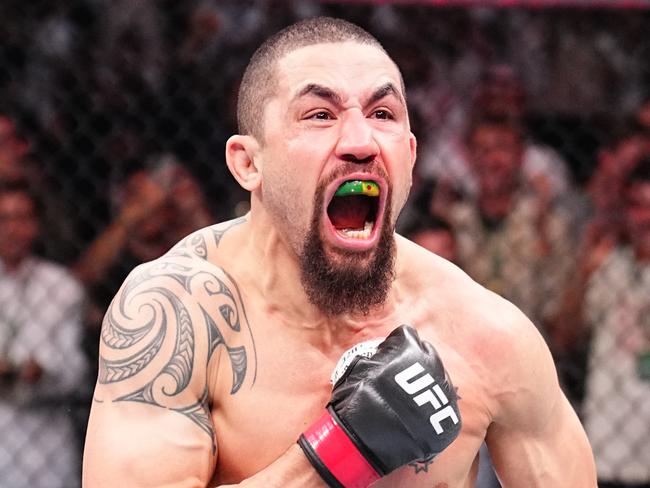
[292, 386]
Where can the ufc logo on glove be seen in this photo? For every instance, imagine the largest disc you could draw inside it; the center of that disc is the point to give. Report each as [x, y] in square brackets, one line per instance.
[433, 396]
[370, 427]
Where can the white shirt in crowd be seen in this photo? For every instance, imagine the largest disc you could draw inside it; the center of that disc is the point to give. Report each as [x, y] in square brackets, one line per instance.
[40, 317]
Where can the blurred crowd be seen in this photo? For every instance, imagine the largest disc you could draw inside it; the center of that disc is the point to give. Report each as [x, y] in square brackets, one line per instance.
[533, 176]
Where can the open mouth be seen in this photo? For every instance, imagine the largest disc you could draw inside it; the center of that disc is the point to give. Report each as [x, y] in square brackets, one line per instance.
[354, 209]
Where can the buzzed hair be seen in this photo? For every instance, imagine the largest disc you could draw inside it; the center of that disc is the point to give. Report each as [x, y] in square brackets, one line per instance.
[259, 82]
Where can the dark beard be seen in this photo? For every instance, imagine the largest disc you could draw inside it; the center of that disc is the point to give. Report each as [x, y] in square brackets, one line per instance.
[347, 288]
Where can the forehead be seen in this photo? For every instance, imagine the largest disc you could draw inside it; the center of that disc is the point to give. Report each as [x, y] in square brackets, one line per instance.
[348, 67]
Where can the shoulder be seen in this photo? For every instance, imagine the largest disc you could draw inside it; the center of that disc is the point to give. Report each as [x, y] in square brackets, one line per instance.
[478, 324]
[172, 315]
[206, 243]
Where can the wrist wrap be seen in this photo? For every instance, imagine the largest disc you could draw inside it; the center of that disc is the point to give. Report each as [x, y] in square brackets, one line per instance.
[331, 451]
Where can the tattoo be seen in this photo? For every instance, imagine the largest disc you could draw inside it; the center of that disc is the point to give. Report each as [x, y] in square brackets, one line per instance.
[199, 413]
[196, 243]
[219, 231]
[149, 333]
[421, 466]
[192, 245]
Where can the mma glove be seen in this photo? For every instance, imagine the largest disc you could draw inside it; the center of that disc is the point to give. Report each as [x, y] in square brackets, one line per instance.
[387, 410]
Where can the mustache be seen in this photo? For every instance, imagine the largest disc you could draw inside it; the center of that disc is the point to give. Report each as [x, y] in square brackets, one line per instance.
[347, 168]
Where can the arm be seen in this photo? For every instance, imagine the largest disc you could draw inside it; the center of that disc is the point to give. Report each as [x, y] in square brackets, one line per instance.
[566, 326]
[291, 470]
[150, 423]
[536, 439]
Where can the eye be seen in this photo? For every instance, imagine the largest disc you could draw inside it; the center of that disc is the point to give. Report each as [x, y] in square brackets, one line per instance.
[382, 114]
[321, 115]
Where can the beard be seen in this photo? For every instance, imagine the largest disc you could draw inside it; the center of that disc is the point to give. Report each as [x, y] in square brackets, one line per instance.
[345, 285]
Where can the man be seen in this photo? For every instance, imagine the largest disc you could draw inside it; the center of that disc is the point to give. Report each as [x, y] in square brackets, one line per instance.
[41, 364]
[217, 357]
[513, 237]
[610, 298]
[499, 92]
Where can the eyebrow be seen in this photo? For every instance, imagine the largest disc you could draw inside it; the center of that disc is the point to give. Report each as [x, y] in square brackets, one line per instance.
[383, 91]
[321, 92]
[330, 95]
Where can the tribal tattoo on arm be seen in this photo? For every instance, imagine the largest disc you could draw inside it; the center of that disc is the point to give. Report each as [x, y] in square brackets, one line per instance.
[157, 339]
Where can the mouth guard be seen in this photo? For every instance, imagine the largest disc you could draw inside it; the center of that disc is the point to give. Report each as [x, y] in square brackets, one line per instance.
[358, 187]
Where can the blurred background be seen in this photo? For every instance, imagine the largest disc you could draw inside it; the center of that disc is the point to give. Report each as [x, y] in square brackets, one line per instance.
[533, 175]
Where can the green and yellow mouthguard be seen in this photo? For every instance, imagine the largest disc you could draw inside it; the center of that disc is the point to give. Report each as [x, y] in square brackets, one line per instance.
[358, 187]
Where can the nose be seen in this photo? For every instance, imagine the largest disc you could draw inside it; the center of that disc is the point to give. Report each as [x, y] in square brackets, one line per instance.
[356, 141]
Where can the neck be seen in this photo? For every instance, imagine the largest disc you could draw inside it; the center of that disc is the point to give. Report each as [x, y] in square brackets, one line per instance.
[274, 271]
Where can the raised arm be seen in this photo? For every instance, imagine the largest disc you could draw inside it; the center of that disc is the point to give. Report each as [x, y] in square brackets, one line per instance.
[536, 439]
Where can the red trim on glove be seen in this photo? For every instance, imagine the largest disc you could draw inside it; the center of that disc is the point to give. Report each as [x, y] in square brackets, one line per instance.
[336, 451]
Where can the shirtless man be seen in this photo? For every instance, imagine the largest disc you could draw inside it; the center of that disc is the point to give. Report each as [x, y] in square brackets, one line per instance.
[216, 357]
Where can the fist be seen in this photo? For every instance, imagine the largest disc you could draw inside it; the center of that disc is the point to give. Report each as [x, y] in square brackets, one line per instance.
[388, 409]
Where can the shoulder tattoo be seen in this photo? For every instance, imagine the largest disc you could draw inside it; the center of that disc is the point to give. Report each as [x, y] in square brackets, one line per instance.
[157, 338]
[219, 230]
[202, 242]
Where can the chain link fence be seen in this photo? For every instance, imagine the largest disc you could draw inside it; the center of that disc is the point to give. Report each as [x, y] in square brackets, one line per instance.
[113, 111]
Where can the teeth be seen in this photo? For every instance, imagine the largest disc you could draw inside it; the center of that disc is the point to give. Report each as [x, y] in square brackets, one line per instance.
[358, 234]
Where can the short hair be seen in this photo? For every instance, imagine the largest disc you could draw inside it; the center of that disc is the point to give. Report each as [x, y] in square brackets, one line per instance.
[259, 80]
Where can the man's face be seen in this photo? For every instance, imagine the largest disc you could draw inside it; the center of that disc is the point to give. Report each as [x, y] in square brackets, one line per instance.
[637, 217]
[496, 154]
[18, 226]
[337, 155]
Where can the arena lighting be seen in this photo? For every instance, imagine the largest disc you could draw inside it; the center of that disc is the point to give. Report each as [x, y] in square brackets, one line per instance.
[584, 4]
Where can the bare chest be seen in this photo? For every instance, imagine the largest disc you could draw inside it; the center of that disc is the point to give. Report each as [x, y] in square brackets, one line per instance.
[292, 385]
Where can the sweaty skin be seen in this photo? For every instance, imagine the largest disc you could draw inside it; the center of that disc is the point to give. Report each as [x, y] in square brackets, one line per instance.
[213, 361]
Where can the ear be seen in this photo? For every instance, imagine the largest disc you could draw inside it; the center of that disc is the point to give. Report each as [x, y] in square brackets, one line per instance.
[413, 143]
[242, 157]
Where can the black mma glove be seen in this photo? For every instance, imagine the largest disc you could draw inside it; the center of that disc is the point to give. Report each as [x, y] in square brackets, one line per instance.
[387, 410]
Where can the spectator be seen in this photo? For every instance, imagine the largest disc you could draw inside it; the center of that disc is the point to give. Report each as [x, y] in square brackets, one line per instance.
[17, 165]
[435, 234]
[605, 187]
[12, 150]
[156, 206]
[41, 363]
[610, 298]
[510, 232]
[500, 93]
